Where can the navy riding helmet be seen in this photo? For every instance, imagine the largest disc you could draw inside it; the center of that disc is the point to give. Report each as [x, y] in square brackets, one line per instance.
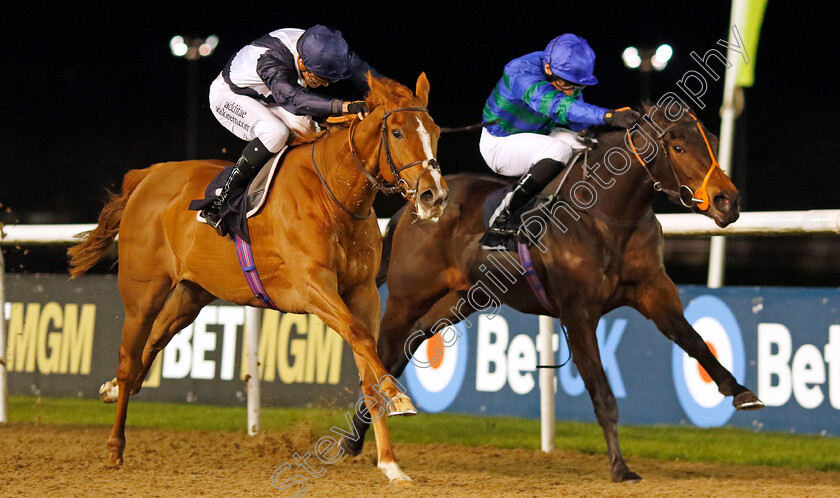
[324, 52]
[570, 57]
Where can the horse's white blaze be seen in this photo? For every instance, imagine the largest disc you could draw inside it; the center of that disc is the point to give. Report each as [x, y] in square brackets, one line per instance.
[426, 140]
[393, 471]
[436, 177]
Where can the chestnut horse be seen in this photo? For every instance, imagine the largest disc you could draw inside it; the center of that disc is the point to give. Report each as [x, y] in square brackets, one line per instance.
[600, 252]
[316, 242]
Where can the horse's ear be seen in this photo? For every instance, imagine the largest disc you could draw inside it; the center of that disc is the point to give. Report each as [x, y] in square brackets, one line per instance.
[422, 90]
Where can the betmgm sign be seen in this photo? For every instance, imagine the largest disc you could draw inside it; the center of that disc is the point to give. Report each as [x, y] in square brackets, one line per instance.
[784, 343]
[63, 340]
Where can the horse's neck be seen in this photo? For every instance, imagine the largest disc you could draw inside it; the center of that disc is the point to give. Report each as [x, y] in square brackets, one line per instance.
[623, 196]
[341, 173]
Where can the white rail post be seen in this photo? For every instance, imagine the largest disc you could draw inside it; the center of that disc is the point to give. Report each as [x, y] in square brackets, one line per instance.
[4, 390]
[547, 395]
[252, 346]
[728, 113]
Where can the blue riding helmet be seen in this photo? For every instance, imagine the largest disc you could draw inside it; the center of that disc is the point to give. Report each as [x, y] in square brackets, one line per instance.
[571, 58]
[324, 52]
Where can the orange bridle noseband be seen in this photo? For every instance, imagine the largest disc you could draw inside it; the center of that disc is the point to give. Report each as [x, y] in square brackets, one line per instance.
[699, 196]
[702, 193]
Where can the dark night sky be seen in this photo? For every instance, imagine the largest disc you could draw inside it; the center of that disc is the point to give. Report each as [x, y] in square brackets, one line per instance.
[88, 94]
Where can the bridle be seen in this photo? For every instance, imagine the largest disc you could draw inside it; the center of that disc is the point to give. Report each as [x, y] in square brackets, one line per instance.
[700, 197]
[400, 184]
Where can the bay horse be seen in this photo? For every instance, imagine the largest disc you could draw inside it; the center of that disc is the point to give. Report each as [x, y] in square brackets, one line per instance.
[601, 250]
[316, 242]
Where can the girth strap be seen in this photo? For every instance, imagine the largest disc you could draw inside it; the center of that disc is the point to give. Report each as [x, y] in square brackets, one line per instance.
[246, 261]
[534, 279]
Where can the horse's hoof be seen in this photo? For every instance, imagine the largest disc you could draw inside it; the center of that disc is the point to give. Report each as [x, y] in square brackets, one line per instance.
[351, 448]
[631, 478]
[395, 474]
[627, 477]
[402, 483]
[747, 400]
[109, 392]
[115, 452]
[401, 405]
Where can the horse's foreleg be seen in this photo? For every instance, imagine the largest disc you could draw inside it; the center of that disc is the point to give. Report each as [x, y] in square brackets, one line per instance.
[143, 301]
[363, 303]
[584, 344]
[404, 327]
[396, 320]
[325, 302]
[660, 301]
[403, 317]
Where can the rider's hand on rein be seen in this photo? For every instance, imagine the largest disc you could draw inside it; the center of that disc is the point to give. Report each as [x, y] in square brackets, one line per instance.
[356, 107]
[622, 118]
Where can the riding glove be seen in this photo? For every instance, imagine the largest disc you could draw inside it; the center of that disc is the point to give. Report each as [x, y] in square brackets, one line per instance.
[624, 118]
[356, 107]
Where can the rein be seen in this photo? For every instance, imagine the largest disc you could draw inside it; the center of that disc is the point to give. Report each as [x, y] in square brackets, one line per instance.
[327, 187]
[476, 126]
[380, 184]
[701, 195]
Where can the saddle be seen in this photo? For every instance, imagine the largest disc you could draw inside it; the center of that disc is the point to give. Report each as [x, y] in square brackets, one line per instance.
[541, 202]
[242, 204]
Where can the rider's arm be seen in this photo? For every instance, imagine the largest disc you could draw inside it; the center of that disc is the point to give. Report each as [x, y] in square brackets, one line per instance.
[359, 69]
[580, 114]
[543, 98]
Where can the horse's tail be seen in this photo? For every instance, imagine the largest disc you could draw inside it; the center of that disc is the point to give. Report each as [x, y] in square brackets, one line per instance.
[95, 243]
[388, 241]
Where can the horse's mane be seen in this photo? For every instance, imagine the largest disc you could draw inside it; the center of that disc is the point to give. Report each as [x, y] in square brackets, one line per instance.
[388, 92]
[383, 91]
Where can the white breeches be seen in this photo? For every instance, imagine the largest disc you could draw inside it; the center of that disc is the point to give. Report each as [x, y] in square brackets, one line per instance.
[249, 118]
[514, 155]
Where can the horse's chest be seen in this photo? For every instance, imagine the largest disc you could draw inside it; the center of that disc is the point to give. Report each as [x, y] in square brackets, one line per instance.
[597, 271]
[356, 261]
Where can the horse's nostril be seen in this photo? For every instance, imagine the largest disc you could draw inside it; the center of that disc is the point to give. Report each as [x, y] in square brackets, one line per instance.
[427, 197]
[722, 203]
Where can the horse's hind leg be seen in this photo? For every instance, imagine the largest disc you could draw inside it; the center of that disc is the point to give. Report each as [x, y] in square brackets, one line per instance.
[581, 325]
[660, 301]
[143, 301]
[180, 310]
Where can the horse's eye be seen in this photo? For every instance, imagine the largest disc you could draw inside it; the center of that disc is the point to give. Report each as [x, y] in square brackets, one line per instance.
[678, 149]
[397, 134]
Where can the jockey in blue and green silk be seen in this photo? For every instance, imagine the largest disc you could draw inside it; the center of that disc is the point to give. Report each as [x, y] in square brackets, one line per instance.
[530, 119]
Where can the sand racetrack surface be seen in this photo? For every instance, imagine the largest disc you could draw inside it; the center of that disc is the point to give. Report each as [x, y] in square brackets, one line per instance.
[50, 460]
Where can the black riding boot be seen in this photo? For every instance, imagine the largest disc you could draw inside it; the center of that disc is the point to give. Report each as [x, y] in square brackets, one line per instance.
[252, 159]
[528, 186]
